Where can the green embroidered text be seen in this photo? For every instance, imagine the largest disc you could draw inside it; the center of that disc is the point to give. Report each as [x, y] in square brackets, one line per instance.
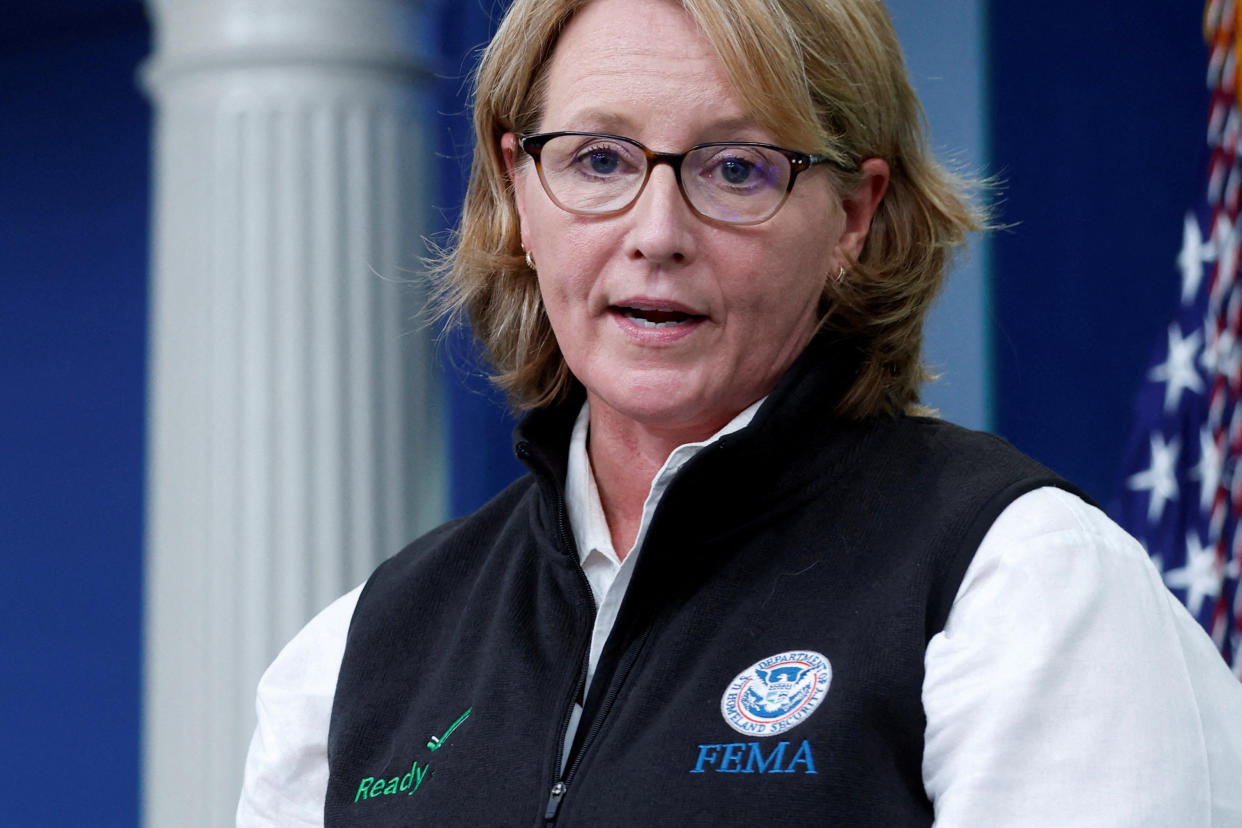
[370, 787]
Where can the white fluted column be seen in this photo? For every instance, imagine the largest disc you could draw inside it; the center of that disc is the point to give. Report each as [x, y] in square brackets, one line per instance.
[294, 426]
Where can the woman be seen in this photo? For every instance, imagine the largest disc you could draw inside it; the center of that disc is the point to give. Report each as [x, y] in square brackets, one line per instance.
[741, 581]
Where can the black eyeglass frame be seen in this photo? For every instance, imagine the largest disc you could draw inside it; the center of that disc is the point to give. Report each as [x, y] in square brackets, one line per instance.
[799, 162]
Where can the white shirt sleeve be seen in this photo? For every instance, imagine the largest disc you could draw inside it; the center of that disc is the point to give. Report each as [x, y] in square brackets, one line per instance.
[1069, 687]
[286, 776]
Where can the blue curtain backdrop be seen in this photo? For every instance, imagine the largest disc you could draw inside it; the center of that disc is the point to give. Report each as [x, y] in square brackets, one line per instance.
[1098, 113]
[1097, 120]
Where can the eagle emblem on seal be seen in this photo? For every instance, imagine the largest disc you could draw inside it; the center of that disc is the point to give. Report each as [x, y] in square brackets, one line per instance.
[776, 693]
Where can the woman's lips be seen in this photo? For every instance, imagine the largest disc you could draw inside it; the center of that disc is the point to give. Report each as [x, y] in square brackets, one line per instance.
[652, 315]
[655, 325]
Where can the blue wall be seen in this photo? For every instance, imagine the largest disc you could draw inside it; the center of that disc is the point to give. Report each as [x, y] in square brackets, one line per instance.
[73, 269]
[1099, 111]
[478, 422]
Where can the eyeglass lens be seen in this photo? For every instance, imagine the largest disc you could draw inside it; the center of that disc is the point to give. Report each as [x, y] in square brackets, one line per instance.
[726, 182]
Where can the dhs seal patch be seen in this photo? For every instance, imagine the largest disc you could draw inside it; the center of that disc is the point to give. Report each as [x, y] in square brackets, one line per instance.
[777, 693]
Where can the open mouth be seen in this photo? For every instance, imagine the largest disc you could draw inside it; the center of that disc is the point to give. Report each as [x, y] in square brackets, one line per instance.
[647, 317]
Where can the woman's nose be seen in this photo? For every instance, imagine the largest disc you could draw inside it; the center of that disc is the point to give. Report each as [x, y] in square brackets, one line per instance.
[661, 220]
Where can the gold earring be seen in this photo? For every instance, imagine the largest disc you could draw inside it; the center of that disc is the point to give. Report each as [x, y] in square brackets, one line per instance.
[530, 262]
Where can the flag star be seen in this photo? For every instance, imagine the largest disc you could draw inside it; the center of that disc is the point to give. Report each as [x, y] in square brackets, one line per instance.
[1160, 478]
[1220, 353]
[1191, 258]
[1178, 371]
[1208, 469]
[1200, 577]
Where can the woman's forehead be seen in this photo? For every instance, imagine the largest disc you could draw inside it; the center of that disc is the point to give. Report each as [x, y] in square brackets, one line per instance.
[626, 65]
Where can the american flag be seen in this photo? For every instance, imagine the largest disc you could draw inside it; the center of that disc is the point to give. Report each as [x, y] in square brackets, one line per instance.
[1182, 496]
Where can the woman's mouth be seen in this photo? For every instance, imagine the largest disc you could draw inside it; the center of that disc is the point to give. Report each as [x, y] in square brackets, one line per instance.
[646, 316]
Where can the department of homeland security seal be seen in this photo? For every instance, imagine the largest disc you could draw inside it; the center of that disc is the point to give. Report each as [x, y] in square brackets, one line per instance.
[777, 693]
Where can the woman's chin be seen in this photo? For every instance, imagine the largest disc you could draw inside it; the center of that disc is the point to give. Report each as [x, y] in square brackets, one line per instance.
[676, 406]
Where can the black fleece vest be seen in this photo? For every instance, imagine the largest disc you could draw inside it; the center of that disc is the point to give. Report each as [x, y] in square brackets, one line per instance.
[766, 665]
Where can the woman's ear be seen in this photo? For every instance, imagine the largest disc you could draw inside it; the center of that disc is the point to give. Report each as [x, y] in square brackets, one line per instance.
[509, 152]
[860, 206]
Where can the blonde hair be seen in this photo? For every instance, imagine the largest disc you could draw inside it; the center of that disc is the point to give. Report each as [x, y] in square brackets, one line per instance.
[825, 76]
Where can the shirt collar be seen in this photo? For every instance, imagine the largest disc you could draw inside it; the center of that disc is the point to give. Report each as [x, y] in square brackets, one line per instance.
[582, 501]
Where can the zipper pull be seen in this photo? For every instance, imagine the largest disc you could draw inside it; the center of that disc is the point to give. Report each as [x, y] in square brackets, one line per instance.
[554, 801]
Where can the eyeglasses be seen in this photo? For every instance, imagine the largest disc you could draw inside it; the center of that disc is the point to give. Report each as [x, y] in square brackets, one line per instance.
[596, 174]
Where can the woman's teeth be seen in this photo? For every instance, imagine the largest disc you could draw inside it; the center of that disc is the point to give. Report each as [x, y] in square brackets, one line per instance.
[647, 318]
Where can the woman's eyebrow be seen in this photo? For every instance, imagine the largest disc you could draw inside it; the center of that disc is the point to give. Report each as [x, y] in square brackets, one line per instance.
[592, 119]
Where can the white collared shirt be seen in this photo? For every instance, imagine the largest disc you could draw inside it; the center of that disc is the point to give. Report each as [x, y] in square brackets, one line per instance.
[608, 574]
[1068, 687]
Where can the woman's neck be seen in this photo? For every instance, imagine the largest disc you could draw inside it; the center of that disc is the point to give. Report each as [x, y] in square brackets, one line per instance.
[625, 458]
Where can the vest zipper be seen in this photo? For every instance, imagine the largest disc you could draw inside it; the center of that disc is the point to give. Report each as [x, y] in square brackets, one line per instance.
[557, 793]
[554, 802]
[597, 721]
[562, 785]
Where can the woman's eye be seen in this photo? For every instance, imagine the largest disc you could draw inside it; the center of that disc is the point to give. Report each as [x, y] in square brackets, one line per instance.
[735, 170]
[603, 162]
[739, 169]
[600, 161]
